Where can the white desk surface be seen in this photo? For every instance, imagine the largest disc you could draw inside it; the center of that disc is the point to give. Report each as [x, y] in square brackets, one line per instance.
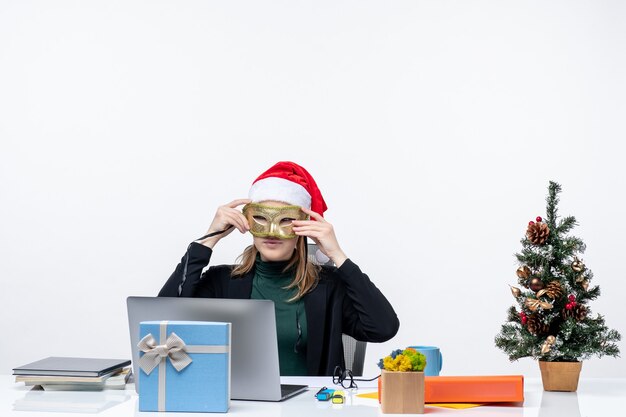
[595, 397]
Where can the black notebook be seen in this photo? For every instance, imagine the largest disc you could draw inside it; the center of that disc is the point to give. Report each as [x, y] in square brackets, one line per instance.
[56, 365]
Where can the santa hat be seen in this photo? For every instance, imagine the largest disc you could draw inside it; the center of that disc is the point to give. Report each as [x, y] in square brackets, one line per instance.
[290, 183]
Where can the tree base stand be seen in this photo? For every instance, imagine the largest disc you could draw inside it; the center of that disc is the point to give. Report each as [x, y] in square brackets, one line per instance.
[560, 376]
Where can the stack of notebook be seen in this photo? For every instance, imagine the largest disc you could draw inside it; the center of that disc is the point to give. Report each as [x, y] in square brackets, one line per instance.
[80, 374]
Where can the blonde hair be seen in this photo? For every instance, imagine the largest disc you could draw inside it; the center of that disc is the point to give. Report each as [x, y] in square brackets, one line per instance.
[307, 273]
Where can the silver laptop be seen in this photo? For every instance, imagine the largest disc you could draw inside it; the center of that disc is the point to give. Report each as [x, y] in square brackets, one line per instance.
[255, 372]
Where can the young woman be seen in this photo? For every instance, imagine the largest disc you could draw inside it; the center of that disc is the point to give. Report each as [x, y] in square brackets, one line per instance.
[314, 305]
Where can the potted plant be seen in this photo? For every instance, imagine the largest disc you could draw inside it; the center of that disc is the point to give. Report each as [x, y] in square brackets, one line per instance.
[552, 321]
[402, 382]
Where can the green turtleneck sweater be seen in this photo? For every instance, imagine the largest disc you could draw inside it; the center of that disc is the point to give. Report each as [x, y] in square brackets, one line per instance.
[269, 284]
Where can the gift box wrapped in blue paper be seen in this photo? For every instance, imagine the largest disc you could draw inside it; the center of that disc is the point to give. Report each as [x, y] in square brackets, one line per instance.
[184, 366]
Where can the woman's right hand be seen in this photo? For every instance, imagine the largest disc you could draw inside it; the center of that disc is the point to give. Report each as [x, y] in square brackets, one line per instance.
[228, 218]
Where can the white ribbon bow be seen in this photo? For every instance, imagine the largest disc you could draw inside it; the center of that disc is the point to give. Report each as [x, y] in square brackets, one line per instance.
[174, 348]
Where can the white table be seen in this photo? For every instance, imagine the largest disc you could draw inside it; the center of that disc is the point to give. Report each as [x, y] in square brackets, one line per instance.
[595, 397]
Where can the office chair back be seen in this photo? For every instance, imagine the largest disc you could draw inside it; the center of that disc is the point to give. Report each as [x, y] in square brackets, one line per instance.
[354, 354]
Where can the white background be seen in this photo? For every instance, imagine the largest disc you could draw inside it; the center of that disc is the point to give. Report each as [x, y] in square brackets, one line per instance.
[431, 127]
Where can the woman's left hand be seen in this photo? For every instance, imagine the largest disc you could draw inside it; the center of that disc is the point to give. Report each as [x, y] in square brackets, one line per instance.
[322, 234]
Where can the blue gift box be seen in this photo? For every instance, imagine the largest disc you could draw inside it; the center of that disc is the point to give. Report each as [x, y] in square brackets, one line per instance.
[184, 366]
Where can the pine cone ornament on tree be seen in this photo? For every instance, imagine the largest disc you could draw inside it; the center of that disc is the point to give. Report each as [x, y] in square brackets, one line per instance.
[578, 312]
[581, 313]
[554, 289]
[536, 325]
[537, 233]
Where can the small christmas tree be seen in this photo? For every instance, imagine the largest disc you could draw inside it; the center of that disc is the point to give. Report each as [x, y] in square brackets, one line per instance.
[554, 322]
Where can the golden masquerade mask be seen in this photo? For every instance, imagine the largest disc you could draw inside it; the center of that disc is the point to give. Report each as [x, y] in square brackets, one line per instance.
[272, 221]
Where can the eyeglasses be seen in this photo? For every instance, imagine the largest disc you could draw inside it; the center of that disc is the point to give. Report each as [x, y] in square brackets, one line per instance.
[345, 378]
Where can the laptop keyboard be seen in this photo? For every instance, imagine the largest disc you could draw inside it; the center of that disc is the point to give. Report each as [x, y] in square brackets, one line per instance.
[287, 389]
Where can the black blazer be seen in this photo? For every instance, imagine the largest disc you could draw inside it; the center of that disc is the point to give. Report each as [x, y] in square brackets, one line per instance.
[344, 301]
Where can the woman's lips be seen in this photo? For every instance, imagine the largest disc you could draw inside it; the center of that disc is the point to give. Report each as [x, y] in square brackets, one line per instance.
[272, 242]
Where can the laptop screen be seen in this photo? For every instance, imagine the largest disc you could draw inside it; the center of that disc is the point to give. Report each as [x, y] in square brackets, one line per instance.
[255, 372]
